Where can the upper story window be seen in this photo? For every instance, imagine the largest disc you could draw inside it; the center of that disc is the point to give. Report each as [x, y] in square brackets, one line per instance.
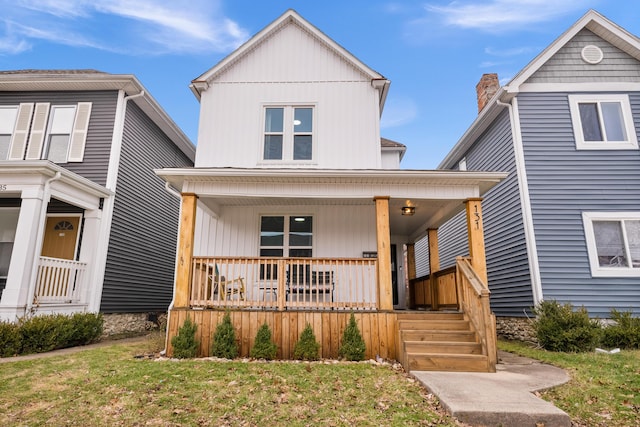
[8, 117]
[42, 131]
[602, 122]
[61, 121]
[613, 243]
[288, 133]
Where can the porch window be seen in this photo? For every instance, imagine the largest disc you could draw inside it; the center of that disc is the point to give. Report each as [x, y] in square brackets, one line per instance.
[286, 235]
[8, 117]
[602, 122]
[613, 243]
[288, 133]
[8, 225]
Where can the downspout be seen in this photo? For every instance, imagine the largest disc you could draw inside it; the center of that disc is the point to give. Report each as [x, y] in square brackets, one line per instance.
[170, 190]
[525, 203]
[46, 196]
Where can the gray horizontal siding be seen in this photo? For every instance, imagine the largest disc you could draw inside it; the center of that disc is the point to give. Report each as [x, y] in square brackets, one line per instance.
[507, 262]
[567, 66]
[141, 257]
[563, 183]
[98, 146]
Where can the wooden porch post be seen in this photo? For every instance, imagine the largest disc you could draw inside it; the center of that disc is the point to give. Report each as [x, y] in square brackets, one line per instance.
[411, 273]
[475, 232]
[434, 266]
[383, 236]
[185, 249]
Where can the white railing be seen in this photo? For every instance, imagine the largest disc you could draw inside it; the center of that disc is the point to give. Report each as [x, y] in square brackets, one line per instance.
[284, 283]
[59, 281]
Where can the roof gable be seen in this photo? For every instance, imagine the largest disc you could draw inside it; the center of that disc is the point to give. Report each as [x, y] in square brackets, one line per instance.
[592, 21]
[286, 39]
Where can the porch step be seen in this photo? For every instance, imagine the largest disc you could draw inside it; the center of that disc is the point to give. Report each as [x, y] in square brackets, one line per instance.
[433, 325]
[451, 362]
[441, 335]
[431, 315]
[439, 341]
[446, 347]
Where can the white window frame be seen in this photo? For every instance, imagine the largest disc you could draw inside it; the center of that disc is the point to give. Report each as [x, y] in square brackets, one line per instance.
[49, 133]
[288, 133]
[625, 106]
[287, 233]
[596, 270]
[12, 128]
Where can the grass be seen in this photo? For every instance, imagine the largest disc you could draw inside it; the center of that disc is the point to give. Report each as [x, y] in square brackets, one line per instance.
[604, 389]
[109, 386]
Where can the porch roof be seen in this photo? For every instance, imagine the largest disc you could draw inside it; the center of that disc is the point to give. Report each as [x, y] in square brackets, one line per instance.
[436, 195]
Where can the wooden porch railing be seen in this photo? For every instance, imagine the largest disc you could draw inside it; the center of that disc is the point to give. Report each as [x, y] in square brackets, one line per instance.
[473, 295]
[437, 290]
[59, 281]
[284, 283]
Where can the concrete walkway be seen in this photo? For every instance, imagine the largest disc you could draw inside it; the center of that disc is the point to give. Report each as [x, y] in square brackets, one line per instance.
[504, 398]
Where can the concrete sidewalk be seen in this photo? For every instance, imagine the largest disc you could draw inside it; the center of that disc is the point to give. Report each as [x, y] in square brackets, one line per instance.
[504, 398]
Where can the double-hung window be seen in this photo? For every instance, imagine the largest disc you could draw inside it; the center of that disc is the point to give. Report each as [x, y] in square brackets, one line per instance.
[285, 235]
[61, 121]
[8, 117]
[602, 122]
[613, 243]
[288, 133]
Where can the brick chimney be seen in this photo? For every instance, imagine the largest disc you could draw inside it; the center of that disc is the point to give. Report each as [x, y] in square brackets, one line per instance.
[486, 88]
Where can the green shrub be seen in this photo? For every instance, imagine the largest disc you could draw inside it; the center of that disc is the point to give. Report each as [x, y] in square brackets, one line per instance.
[44, 333]
[185, 345]
[224, 339]
[10, 339]
[264, 347]
[307, 348]
[86, 328]
[561, 328]
[625, 333]
[353, 346]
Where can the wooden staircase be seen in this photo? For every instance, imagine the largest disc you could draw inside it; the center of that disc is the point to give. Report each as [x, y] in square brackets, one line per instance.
[440, 341]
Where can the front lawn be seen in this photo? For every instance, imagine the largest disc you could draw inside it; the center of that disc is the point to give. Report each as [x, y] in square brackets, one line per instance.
[604, 389]
[108, 386]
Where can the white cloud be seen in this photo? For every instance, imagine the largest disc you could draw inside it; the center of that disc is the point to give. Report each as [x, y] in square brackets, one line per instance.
[133, 26]
[503, 15]
[510, 52]
[398, 112]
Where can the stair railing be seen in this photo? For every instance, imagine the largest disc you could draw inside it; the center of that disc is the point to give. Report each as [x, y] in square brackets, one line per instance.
[473, 297]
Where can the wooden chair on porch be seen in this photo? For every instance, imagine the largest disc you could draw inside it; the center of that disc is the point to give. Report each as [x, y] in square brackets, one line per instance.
[227, 289]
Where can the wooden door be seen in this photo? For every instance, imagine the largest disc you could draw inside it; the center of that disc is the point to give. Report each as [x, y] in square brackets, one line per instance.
[61, 237]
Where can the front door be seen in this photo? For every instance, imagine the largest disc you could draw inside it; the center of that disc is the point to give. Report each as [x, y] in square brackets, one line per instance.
[61, 237]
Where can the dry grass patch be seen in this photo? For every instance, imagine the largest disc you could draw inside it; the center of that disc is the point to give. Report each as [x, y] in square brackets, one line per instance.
[109, 386]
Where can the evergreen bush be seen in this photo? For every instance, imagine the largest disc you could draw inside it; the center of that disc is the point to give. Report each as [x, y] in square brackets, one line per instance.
[44, 333]
[10, 339]
[224, 339]
[264, 347]
[561, 328]
[185, 345]
[307, 348]
[353, 346]
[625, 333]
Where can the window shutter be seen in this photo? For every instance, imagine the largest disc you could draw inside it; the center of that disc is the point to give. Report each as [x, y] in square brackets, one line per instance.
[79, 133]
[38, 131]
[21, 132]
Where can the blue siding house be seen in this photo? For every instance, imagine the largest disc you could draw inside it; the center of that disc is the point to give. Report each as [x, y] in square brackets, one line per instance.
[85, 224]
[565, 224]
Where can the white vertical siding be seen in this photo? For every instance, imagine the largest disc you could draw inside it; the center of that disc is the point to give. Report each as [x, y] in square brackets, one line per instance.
[338, 231]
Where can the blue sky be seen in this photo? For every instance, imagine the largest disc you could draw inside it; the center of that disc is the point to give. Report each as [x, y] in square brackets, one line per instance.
[433, 51]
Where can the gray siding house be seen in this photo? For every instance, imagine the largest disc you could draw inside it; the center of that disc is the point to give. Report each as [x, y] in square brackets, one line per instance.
[85, 224]
[565, 224]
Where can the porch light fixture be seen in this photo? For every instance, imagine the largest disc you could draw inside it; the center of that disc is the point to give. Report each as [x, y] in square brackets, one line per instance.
[408, 210]
[299, 219]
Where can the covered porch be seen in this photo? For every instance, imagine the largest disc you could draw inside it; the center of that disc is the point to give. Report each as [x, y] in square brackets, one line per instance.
[51, 223]
[358, 216]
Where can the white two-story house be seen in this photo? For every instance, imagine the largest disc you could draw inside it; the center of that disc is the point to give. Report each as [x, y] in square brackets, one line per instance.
[296, 210]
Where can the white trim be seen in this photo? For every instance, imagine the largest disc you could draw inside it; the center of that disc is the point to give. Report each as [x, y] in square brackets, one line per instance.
[47, 137]
[287, 215]
[288, 134]
[580, 87]
[632, 141]
[525, 203]
[590, 239]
